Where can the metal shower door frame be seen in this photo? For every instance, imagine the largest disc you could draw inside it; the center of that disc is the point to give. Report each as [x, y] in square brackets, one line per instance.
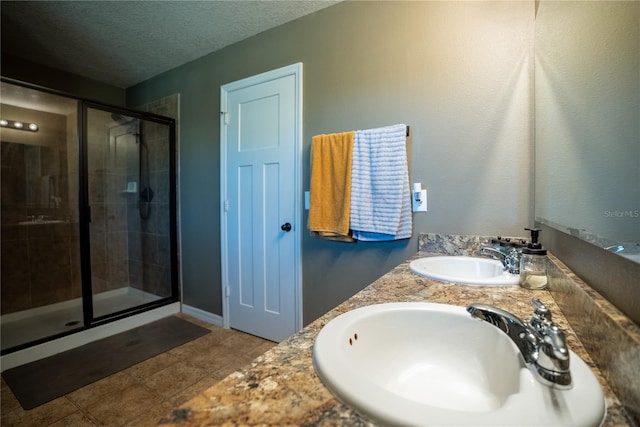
[90, 319]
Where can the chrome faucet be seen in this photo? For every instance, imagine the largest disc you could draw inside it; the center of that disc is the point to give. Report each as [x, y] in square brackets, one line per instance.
[510, 260]
[541, 343]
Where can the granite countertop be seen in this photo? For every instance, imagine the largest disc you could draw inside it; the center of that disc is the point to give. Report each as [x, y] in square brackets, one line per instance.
[281, 387]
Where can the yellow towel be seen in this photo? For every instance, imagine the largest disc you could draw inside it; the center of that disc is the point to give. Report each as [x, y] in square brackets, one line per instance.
[330, 192]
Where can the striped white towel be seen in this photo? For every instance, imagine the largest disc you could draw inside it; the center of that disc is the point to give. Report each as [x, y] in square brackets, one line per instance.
[380, 194]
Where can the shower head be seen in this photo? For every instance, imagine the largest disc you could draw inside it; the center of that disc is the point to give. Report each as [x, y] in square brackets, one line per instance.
[122, 120]
[132, 123]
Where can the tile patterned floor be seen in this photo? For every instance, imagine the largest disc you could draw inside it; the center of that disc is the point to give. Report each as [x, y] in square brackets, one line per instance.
[144, 393]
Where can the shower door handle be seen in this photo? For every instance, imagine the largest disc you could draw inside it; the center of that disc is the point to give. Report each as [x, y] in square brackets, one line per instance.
[286, 227]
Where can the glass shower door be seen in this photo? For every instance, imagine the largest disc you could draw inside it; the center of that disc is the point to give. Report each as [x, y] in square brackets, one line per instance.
[129, 210]
[40, 248]
[88, 214]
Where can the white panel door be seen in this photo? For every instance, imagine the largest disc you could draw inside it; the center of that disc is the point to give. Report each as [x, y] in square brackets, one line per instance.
[261, 123]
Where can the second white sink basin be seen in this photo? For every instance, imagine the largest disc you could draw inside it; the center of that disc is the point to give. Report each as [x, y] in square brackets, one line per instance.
[433, 364]
[465, 270]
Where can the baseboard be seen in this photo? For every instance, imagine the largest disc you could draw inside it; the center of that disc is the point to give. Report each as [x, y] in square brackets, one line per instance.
[68, 342]
[205, 316]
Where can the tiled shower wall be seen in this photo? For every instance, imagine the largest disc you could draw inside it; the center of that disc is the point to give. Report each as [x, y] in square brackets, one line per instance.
[108, 155]
[149, 261]
[40, 258]
[127, 249]
[149, 240]
[41, 261]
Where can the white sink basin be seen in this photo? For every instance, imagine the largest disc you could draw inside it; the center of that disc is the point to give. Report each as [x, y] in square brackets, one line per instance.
[433, 364]
[465, 270]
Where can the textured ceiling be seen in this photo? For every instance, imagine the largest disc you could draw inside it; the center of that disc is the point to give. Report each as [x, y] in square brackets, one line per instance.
[125, 42]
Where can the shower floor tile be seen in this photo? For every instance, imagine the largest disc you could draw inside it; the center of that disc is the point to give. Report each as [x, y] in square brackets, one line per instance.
[161, 383]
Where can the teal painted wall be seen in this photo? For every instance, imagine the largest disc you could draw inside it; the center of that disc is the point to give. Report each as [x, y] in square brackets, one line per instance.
[459, 73]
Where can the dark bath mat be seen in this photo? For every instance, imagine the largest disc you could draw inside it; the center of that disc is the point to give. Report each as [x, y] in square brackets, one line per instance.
[38, 382]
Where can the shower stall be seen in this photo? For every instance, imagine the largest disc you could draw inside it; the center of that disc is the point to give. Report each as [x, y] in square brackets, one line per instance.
[88, 215]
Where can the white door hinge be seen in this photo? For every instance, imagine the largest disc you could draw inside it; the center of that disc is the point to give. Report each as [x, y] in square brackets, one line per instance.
[228, 291]
[225, 117]
[226, 206]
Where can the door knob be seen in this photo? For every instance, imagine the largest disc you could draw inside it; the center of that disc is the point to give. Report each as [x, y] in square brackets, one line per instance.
[286, 227]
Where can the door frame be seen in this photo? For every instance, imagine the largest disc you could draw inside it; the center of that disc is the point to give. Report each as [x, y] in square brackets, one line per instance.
[296, 71]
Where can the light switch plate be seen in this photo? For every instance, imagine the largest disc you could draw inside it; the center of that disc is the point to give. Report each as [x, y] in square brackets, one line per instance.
[420, 206]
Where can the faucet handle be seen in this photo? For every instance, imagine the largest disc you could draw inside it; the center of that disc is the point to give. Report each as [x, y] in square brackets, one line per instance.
[540, 310]
[551, 334]
[541, 318]
[512, 261]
